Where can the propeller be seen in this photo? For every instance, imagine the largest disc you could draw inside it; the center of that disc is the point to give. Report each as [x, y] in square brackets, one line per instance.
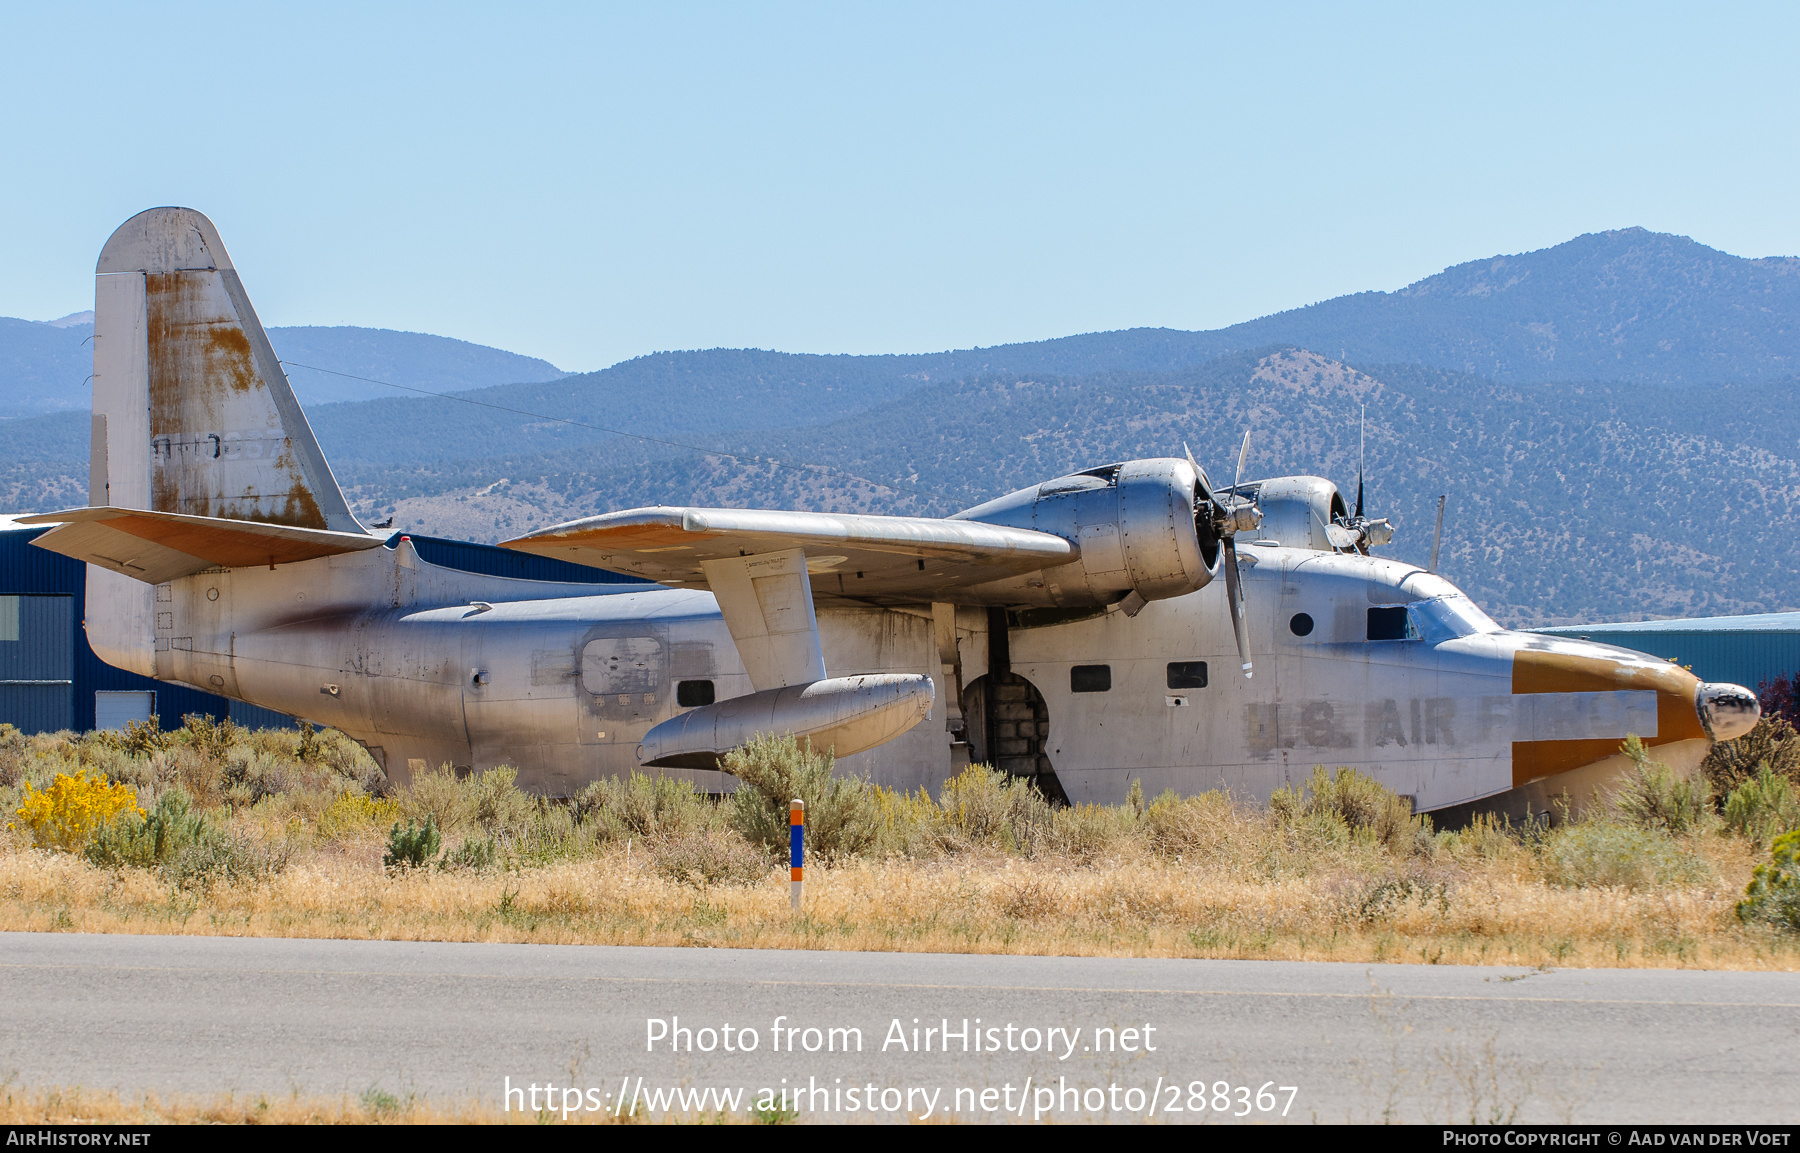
[1359, 533]
[1228, 519]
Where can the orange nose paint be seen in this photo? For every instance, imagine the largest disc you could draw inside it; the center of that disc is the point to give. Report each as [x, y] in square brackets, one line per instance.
[1536, 671]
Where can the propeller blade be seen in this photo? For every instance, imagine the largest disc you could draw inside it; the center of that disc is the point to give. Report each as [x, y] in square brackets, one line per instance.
[1243, 455]
[1361, 441]
[1205, 481]
[1233, 593]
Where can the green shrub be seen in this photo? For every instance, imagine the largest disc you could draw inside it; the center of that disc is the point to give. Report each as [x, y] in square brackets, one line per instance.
[1651, 795]
[438, 795]
[223, 859]
[1614, 854]
[499, 803]
[137, 739]
[144, 842]
[1361, 806]
[308, 748]
[1773, 742]
[205, 737]
[546, 833]
[1485, 836]
[911, 823]
[642, 806]
[1773, 894]
[984, 806]
[1089, 832]
[186, 848]
[1763, 807]
[474, 854]
[413, 845]
[843, 817]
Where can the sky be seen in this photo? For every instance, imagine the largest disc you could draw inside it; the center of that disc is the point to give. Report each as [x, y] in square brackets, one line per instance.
[587, 183]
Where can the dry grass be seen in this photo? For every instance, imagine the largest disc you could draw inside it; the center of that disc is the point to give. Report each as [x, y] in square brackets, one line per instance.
[1330, 872]
[77, 1106]
[975, 904]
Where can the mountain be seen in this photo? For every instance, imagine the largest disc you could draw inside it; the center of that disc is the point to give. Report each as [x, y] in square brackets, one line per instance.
[667, 395]
[1566, 502]
[414, 359]
[1629, 305]
[44, 366]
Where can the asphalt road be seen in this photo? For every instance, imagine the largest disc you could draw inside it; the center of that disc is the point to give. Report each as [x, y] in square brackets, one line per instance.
[206, 1015]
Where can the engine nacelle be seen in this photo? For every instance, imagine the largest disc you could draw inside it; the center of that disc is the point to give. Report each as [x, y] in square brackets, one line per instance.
[1296, 510]
[1135, 526]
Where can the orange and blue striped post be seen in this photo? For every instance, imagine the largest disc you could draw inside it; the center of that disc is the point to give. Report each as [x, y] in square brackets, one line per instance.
[796, 849]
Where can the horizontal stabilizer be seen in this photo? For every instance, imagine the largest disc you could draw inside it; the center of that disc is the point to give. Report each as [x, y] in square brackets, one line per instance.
[155, 547]
[845, 715]
[885, 559]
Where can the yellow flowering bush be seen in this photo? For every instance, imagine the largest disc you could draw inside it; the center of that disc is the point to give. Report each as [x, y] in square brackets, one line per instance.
[67, 814]
[352, 813]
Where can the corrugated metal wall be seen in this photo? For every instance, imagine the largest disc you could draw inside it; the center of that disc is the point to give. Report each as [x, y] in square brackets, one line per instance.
[504, 562]
[37, 657]
[256, 717]
[31, 573]
[1741, 658]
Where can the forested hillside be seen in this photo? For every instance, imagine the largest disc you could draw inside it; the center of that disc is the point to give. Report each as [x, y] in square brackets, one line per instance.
[1566, 503]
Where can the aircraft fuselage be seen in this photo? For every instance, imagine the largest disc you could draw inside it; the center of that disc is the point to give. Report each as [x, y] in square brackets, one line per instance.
[1359, 661]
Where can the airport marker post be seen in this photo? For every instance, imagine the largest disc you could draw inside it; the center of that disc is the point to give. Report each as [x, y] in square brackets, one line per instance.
[796, 849]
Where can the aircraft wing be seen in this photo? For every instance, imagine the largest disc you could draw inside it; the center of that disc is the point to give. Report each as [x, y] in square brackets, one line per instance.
[161, 546]
[877, 559]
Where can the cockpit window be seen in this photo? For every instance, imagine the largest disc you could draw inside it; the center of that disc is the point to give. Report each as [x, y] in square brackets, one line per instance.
[1391, 624]
[1446, 618]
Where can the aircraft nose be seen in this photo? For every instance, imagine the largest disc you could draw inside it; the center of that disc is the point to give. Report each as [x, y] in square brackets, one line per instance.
[1727, 711]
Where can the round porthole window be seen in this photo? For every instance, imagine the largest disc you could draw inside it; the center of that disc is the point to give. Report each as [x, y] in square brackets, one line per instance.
[1301, 625]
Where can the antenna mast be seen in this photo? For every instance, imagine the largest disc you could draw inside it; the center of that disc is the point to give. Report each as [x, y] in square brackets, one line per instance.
[1438, 535]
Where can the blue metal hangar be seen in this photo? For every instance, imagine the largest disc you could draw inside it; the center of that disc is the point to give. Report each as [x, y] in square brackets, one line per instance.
[1747, 650]
[51, 680]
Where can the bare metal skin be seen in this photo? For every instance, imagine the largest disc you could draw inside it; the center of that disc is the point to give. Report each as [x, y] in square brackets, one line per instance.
[222, 555]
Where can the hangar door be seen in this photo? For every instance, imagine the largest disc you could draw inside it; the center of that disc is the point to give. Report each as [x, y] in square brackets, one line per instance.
[37, 662]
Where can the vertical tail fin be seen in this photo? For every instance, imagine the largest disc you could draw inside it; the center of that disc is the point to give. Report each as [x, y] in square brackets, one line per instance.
[192, 413]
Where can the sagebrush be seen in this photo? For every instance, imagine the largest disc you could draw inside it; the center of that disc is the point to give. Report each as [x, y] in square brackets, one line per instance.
[244, 823]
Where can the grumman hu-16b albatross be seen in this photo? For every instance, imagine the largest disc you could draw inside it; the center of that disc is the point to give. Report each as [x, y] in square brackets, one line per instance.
[1127, 622]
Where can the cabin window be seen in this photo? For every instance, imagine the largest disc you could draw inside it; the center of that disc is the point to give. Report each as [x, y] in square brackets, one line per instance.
[1090, 679]
[1391, 624]
[1187, 674]
[693, 694]
[1301, 625]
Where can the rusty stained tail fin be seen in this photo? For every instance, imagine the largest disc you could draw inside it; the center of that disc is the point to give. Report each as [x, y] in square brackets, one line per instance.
[192, 413]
